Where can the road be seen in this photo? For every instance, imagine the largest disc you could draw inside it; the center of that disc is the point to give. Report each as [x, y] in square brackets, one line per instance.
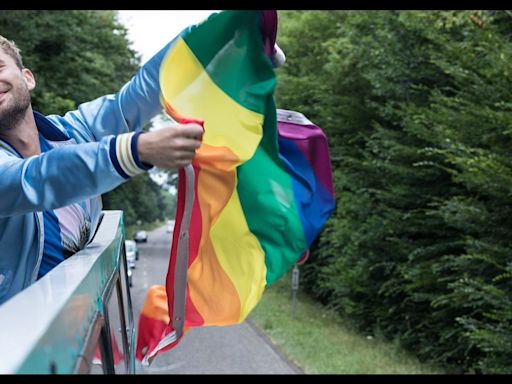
[238, 349]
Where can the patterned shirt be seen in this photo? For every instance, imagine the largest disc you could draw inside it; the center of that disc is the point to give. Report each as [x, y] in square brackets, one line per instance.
[66, 230]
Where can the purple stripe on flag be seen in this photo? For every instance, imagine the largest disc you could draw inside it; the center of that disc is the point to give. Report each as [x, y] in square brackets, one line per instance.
[268, 29]
[312, 143]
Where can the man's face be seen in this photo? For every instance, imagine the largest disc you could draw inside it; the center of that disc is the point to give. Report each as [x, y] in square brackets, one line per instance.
[15, 87]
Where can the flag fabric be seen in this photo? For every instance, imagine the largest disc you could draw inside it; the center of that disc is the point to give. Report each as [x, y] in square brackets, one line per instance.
[253, 199]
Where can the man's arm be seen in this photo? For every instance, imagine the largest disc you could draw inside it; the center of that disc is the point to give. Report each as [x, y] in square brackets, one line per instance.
[73, 173]
[130, 109]
[108, 154]
[56, 178]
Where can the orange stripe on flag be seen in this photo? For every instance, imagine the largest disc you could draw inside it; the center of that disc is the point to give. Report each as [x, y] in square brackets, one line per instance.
[216, 183]
[220, 303]
[155, 305]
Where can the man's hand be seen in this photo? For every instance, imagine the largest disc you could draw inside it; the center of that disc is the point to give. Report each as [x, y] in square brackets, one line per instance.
[173, 146]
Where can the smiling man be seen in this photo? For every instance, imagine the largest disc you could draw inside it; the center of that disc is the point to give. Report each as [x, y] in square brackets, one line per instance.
[53, 168]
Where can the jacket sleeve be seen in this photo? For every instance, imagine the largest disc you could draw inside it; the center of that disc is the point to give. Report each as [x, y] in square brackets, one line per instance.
[106, 157]
[130, 109]
[67, 174]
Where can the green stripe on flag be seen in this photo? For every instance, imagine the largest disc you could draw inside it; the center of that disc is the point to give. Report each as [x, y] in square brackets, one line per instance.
[236, 63]
[267, 199]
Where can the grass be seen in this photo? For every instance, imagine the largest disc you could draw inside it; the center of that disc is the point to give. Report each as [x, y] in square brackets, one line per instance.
[317, 341]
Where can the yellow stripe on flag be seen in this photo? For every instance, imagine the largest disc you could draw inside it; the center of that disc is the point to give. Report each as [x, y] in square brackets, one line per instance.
[155, 304]
[187, 87]
[231, 281]
[230, 236]
[219, 304]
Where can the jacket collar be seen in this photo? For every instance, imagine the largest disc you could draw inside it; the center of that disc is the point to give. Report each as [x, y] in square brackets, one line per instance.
[9, 148]
[47, 129]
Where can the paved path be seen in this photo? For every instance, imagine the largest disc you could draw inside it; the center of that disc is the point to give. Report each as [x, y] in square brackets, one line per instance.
[238, 349]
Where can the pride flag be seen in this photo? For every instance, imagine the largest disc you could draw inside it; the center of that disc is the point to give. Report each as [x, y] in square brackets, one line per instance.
[252, 201]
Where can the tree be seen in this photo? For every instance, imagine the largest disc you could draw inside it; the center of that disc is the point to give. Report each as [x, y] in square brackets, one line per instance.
[76, 56]
[414, 105]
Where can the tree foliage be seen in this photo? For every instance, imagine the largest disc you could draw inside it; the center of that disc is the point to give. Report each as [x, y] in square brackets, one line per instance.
[141, 199]
[76, 56]
[416, 106]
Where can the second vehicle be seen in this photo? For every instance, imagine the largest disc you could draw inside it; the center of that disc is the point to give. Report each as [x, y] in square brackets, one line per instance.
[141, 237]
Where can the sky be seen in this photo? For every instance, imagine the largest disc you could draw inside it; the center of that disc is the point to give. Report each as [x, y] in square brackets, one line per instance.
[151, 30]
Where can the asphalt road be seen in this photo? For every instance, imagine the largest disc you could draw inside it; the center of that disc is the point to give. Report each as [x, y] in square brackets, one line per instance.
[238, 349]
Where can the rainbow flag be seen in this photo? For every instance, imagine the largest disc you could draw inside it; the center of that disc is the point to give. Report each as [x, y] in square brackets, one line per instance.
[252, 201]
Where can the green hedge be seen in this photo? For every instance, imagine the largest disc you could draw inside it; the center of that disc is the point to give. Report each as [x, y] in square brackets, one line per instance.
[417, 108]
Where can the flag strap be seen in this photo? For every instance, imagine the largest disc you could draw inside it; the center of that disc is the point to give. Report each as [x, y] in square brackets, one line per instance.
[181, 267]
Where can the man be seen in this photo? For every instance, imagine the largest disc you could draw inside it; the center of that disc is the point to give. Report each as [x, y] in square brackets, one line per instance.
[53, 169]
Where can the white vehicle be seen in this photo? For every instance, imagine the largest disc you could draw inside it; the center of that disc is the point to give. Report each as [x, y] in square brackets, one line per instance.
[141, 237]
[131, 253]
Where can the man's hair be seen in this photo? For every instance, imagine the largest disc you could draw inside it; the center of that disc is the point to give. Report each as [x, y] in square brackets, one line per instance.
[9, 47]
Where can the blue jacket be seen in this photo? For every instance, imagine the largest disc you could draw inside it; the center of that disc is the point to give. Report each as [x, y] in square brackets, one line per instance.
[106, 129]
